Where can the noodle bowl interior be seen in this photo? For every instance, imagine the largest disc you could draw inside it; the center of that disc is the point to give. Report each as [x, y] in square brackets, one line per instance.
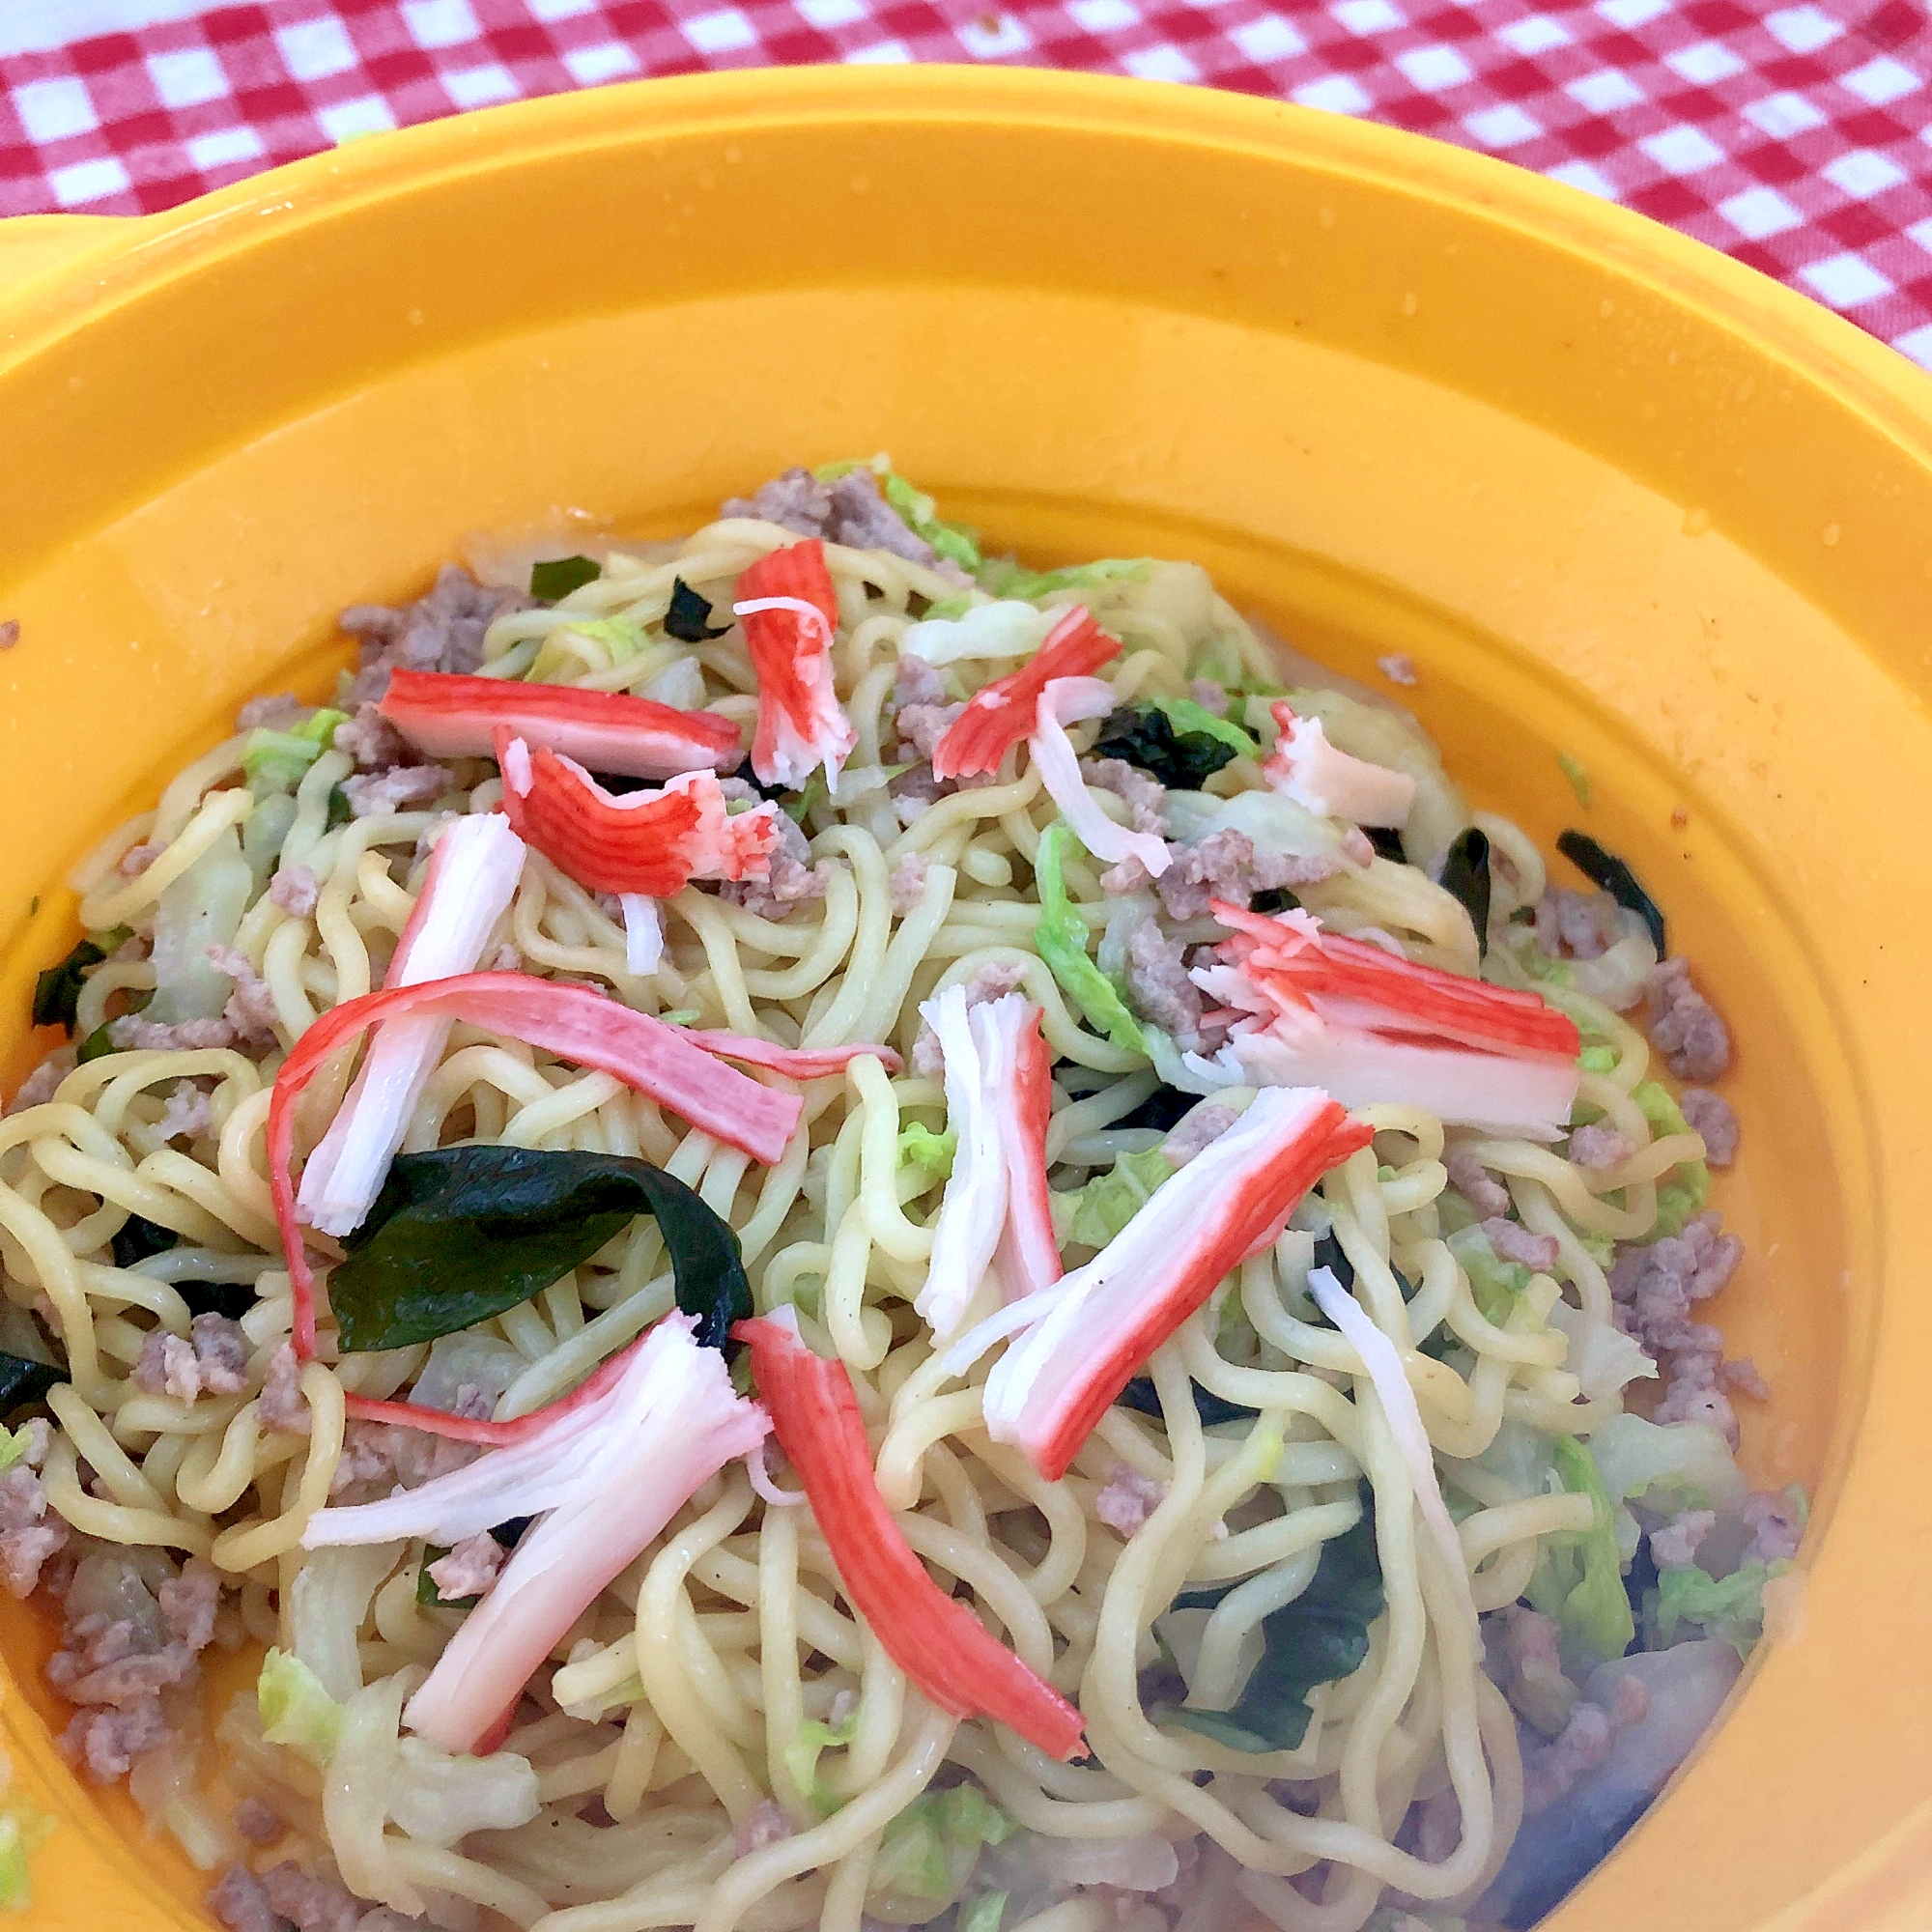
[808, 1229]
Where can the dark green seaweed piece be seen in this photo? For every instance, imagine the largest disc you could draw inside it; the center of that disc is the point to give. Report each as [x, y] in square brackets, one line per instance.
[136, 1239]
[688, 618]
[24, 1384]
[1274, 899]
[1164, 1108]
[1387, 841]
[1145, 736]
[1141, 1396]
[1466, 878]
[461, 1233]
[558, 575]
[1607, 871]
[340, 811]
[1318, 1639]
[57, 991]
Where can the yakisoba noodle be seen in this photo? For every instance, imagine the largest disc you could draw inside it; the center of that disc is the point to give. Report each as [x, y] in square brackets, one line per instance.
[673, 1776]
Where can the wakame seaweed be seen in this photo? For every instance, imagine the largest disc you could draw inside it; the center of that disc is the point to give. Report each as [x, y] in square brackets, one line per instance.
[1318, 1639]
[461, 1233]
[57, 991]
[1607, 871]
[1466, 878]
[1141, 1396]
[135, 1239]
[558, 575]
[1164, 1109]
[1274, 899]
[1387, 841]
[688, 618]
[24, 1384]
[1143, 735]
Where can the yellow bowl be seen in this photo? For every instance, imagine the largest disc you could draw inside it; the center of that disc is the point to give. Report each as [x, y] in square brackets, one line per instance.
[1617, 495]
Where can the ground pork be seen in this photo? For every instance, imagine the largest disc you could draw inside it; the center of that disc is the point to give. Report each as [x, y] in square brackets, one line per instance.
[1197, 1129]
[136, 860]
[1576, 926]
[251, 1007]
[765, 1824]
[1514, 1242]
[1221, 865]
[469, 1568]
[294, 890]
[371, 794]
[10, 633]
[1210, 696]
[29, 1532]
[372, 741]
[907, 884]
[279, 711]
[793, 880]
[258, 1821]
[1158, 988]
[1710, 1115]
[1582, 1746]
[442, 631]
[1777, 1527]
[187, 1113]
[850, 511]
[1532, 1670]
[310, 1904]
[1398, 667]
[1128, 1498]
[375, 1456]
[1600, 1147]
[993, 981]
[37, 1088]
[920, 711]
[189, 1603]
[104, 1743]
[283, 1406]
[132, 1033]
[1654, 1289]
[239, 1903]
[212, 1360]
[1674, 1544]
[1475, 1183]
[1142, 794]
[1685, 1026]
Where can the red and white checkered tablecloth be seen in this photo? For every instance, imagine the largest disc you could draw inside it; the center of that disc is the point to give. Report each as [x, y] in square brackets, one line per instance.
[1796, 137]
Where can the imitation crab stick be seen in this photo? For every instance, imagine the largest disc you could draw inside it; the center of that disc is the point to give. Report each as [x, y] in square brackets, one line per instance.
[999, 1095]
[790, 615]
[450, 716]
[1064, 701]
[936, 1640]
[1103, 1322]
[603, 1471]
[649, 842]
[1326, 1009]
[1000, 714]
[1311, 771]
[473, 877]
[678, 1068]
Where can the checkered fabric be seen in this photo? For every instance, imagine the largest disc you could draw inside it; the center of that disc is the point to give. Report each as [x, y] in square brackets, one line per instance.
[1798, 137]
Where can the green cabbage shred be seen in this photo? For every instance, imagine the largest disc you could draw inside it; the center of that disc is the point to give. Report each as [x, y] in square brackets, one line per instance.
[1061, 939]
[295, 1710]
[1579, 1575]
[1094, 1215]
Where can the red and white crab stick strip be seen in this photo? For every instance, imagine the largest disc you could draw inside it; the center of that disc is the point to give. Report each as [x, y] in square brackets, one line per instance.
[1000, 714]
[473, 877]
[1104, 1319]
[604, 1470]
[450, 716]
[1308, 769]
[998, 1097]
[790, 614]
[935, 1640]
[642, 846]
[678, 1068]
[1326, 1009]
[1067, 700]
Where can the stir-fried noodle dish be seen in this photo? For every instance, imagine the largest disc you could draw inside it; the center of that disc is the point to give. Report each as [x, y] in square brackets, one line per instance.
[807, 1229]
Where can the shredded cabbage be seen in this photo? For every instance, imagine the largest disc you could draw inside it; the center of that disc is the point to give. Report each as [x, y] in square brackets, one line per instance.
[1061, 940]
[1597, 1059]
[1094, 1215]
[274, 762]
[441, 1799]
[1579, 1575]
[295, 1710]
[622, 638]
[927, 1153]
[1684, 1194]
[14, 1444]
[801, 1758]
[1496, 1284]
[983, 1914]
[930, 1850]
[1006, 628]
[200, 909]
[1186, 715]
[918, 511]
[1668, 1467]
[1005, 578]
[1731, 1607]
